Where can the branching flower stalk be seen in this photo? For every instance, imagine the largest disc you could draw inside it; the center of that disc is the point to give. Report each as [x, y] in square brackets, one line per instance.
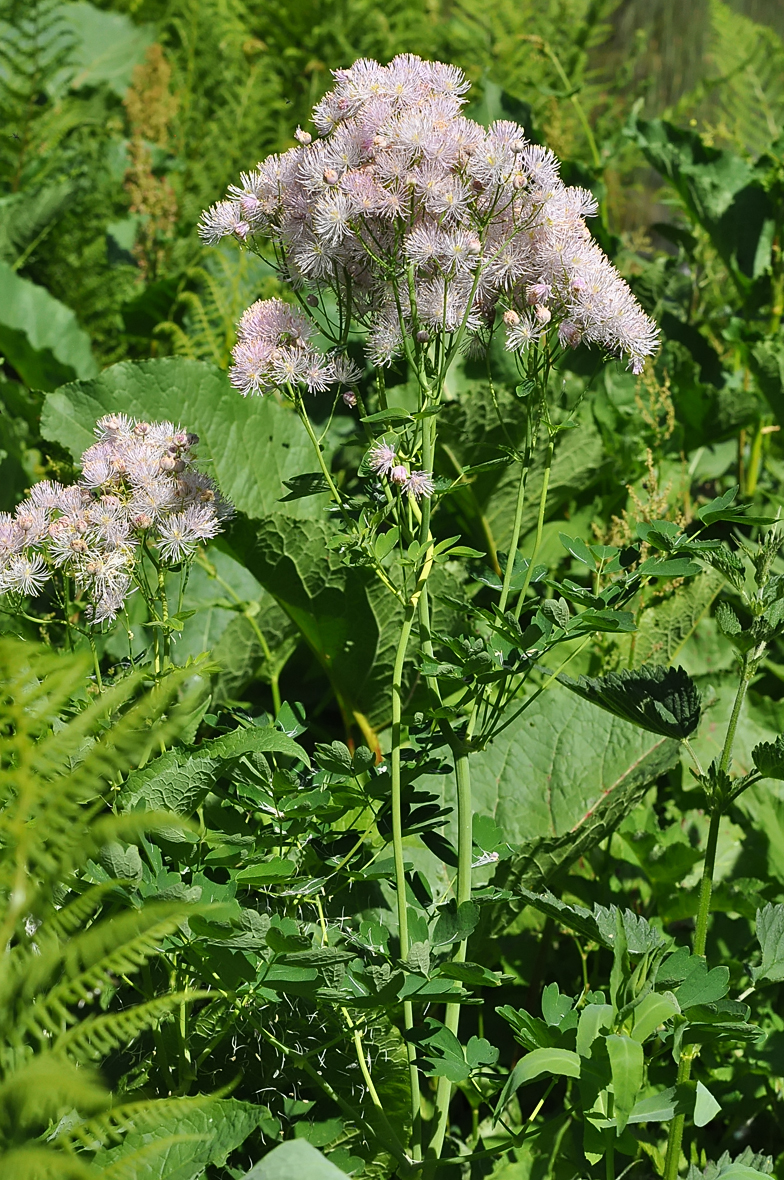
[430, 234]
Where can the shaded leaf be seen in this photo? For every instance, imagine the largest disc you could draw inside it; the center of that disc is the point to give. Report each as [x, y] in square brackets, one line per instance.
[662, 700]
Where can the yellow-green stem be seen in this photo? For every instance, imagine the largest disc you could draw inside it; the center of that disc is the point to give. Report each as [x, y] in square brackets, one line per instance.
[548, 463]
[513, 543]
[397, 849]
[464, 858]
[675, 1137]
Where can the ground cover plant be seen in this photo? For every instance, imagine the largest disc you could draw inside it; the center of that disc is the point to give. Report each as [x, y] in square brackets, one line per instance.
[392, 595]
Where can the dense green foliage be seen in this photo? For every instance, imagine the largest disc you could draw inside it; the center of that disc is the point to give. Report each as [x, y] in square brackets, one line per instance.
[202, 975]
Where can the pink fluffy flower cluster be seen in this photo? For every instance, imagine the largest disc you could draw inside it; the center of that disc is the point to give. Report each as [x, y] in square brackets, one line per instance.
[138, 487]
[426, 223]
[274, 348]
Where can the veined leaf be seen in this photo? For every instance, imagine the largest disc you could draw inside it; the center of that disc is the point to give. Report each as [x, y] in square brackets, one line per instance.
[662, 700]
[41, 336]
[770, 932]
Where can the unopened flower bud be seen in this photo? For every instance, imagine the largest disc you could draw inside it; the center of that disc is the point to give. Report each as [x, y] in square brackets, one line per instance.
[519, 182]
[398, 474]
[511, 317]
[422, 336]
[142, 521]
[380, 141]
[79, 545]
[167, 463]
[349, 397]
[142, 428]
[241, 230]
[303, 137]
[543, 314]
[193, 439]
[477, 186]
[312, 300]
[330, 176]
[518, 145]
[475, 246]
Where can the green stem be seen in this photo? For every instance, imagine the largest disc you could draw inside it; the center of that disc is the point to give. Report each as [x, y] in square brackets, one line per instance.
[397, 847]
[548, 463]
[96, 664]
[464, 857]
[303, 414]
[518, 520]
[675, 1137]
[164, 615]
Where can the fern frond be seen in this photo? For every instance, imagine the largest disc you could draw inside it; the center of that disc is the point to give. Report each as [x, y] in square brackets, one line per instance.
[97, 1036]
[43, 1088]
[111, 1125]
[40, 1163]
[127, 1167]
[76, 914]
[111, 948]
[741, 101]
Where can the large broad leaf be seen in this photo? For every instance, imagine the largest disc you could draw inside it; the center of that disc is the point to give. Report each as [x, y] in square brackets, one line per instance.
[294, 1160]
[560, 779]
[661, 700]
[179, 780]
[253, 445]
[720, 191]
[107, 46]
[39, 335]
[664, 628]
[346, 616]
[187, 1141]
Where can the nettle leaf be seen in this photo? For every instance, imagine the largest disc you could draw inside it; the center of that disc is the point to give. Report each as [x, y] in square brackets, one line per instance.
[183, 1144]
[770, 933]
[768, 758]
[180, 779]
[661, 700]
[599, 924]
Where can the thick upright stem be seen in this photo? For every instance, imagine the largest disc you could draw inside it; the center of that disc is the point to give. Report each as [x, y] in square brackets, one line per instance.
[464, 858]
[548, 463]
[515, 538]
[675, 1138]
[400, 874]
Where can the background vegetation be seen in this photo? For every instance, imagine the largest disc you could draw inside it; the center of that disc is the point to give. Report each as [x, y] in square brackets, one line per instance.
[120, 121]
